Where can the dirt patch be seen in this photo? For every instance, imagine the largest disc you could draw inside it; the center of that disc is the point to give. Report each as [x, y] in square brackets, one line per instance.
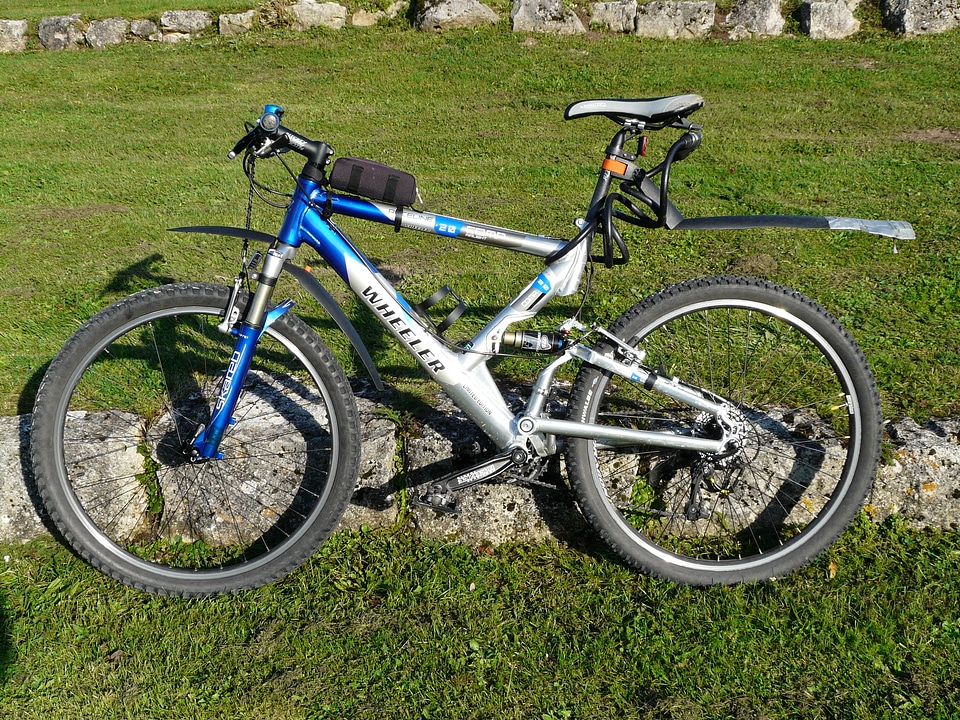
[393, 273]
[942, 136]
[754, 265]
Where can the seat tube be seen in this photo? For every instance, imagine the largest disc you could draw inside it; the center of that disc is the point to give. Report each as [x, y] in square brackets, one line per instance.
[257, 319]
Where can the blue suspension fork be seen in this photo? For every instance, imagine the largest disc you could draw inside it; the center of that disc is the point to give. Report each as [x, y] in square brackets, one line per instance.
[206, 444]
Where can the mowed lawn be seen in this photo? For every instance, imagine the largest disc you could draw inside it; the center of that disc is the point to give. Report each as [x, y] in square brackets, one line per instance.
[102, 151]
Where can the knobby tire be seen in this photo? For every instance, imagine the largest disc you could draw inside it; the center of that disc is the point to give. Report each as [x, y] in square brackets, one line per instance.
[112, 425]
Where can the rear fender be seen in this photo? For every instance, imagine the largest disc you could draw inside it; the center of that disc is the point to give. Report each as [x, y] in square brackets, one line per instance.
[897, 229]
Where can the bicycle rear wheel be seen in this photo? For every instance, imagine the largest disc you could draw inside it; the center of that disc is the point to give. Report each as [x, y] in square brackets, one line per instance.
[112, 427]
[809, 435]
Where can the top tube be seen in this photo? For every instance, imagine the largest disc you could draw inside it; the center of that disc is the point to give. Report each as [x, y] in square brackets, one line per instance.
[409, 219]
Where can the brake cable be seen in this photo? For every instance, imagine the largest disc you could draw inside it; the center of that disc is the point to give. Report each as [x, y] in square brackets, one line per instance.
[249, 168]
[255, 188]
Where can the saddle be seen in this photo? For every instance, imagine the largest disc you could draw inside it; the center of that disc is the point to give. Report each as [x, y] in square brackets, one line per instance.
[654, 111]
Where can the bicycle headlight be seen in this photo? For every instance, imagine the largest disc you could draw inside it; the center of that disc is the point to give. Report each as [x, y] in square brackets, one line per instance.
[269, 122]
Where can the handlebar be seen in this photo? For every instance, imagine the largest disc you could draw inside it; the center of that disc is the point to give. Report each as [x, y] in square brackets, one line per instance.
[269, 137]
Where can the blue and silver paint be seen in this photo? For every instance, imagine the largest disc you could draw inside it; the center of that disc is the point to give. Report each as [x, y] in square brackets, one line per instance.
[207, 442]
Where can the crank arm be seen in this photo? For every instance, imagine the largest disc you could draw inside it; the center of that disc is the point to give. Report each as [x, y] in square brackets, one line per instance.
[439, 495]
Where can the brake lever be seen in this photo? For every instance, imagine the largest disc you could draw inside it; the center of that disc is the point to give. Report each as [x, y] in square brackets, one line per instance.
[271, 147]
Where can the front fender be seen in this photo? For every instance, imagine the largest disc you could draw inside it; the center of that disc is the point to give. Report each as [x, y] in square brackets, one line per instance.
[245, 233]
[309, 283]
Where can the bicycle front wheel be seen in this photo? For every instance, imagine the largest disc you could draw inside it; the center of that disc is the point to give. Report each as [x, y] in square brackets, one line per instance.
[112, 429]
[809, 425]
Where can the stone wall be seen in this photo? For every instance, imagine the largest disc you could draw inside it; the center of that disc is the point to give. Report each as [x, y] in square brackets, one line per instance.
[920, 480]
[820, 19]
[918, 17]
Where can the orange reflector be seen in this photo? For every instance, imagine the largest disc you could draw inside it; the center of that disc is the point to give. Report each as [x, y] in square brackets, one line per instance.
[615, 166]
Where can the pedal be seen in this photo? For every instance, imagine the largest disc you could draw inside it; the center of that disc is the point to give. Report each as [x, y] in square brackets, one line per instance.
[436, 499]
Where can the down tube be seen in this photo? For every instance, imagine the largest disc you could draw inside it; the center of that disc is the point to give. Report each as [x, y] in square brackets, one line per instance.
[473, 390]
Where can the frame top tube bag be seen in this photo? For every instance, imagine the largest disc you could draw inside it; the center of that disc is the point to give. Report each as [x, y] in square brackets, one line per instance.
[374, 181]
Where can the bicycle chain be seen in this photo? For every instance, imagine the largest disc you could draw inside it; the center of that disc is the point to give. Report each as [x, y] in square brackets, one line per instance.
[528, 475]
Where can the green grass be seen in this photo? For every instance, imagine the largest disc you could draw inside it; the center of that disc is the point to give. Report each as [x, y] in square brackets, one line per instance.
[380, 626]
[100, 9]
[107, 149]
[104, 150]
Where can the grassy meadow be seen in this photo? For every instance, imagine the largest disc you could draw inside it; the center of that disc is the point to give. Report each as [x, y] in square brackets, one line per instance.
[34, 10]
[104, 150]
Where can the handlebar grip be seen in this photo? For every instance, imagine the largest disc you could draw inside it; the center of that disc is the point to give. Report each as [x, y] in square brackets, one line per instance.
[242, 144]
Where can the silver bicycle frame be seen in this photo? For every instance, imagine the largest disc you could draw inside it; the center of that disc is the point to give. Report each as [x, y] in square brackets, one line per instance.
[464, 374]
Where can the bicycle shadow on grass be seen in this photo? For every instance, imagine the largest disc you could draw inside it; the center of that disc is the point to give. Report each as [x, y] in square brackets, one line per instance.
[138, 275]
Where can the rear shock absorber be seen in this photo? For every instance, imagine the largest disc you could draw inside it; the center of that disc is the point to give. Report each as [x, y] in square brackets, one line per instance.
[535, 341]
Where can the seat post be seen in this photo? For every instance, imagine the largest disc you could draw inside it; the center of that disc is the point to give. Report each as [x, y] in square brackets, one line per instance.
[614, 150]
[606, 177]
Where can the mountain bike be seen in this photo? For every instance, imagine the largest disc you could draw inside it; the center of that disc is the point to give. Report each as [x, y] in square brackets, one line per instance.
[196, 438]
